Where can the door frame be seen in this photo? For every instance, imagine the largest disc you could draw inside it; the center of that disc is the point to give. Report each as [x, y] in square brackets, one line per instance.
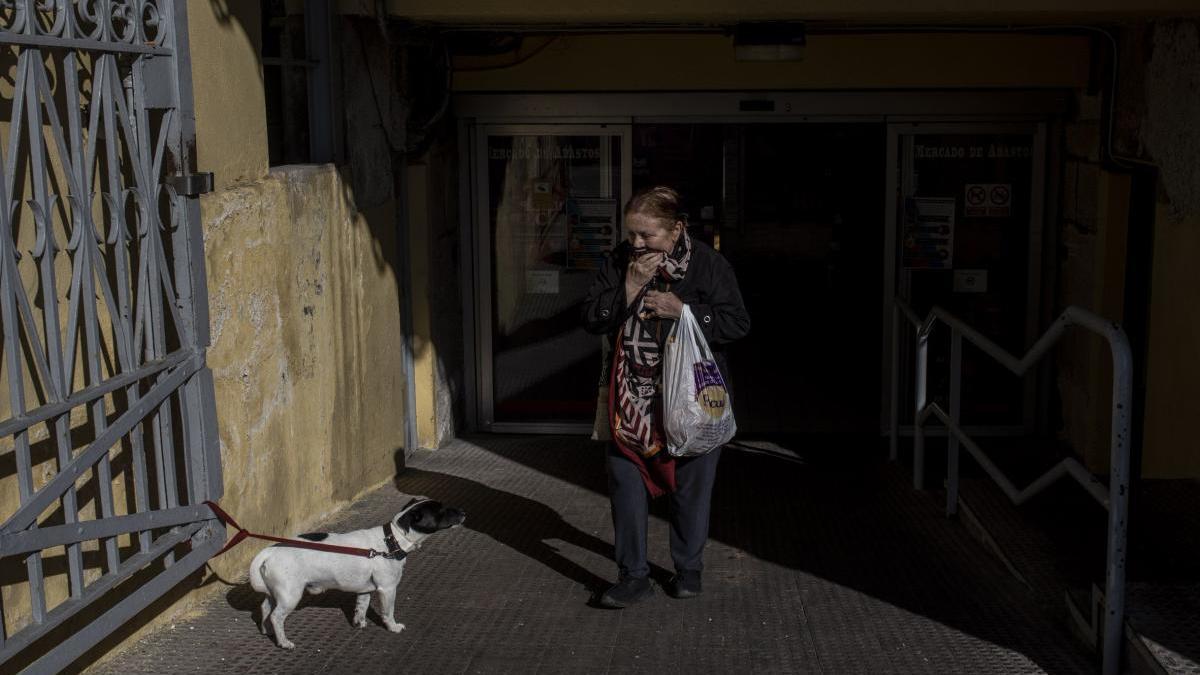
[893, 283]
[478, 112]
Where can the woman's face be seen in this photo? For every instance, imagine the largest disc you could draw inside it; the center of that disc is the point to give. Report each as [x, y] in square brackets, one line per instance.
[656, 234]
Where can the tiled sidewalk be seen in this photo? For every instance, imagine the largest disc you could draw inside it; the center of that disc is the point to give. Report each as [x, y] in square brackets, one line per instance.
[822, 559]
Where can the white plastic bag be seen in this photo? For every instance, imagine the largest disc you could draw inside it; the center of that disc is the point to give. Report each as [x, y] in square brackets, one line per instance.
[698, 415]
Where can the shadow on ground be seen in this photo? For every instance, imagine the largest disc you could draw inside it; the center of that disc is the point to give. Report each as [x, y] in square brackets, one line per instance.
[520, 523]
[829, 507]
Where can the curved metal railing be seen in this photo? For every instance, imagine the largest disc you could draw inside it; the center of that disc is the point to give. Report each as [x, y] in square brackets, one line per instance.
[1114, 498]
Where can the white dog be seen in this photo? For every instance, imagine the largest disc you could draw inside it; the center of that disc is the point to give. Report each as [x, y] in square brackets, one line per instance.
[285, 572]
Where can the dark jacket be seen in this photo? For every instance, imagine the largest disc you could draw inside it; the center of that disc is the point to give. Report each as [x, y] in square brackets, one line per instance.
[709, 288]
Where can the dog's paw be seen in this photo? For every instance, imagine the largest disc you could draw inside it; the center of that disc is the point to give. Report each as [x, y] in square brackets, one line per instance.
[360, 621]
[395, 627]
[287, 644]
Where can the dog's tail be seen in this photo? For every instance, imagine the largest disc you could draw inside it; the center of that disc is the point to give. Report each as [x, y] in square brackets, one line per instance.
[256, 571]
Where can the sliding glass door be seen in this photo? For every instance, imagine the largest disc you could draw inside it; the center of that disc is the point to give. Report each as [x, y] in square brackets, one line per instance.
[549, 201]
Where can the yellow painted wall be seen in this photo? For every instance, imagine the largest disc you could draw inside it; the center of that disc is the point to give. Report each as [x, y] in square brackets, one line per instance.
[425, 355]
[1093, 277]
[646, 62]
[231, 121]
[304, 307]
[305, 323]
[1171, 448]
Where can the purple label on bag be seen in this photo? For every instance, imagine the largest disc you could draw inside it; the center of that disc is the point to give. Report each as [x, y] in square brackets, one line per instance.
[710, 388]
[707, 374]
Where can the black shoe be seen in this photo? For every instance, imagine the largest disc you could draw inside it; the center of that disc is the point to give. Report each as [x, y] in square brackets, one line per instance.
[627, 591]
[684, 585]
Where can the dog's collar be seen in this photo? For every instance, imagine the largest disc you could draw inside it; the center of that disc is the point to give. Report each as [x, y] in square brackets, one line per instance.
[396, 550]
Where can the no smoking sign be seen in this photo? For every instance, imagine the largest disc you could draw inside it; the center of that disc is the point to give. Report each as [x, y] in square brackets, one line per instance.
[988, 200]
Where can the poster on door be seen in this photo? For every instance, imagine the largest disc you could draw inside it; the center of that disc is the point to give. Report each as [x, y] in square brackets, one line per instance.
[593, 232]
[928, 242]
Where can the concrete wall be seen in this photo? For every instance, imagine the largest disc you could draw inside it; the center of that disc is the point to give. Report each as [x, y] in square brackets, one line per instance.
[1169, 133]
[305, 331]
[1157, 105]
[304, 300]
[1092, 241]
[303, 297]
[437, 321]
[1171, 444]
[231, 128]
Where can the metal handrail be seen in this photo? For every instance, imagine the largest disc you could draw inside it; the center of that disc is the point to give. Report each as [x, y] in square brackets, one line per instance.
[1115, 498]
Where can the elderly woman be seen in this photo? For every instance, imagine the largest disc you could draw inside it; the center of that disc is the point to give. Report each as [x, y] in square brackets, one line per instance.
[635, 300]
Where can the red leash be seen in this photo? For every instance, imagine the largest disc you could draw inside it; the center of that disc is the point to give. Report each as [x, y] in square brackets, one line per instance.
[299, 543]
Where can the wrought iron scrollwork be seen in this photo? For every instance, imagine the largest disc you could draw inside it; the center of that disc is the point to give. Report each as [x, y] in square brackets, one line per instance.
[138, 23]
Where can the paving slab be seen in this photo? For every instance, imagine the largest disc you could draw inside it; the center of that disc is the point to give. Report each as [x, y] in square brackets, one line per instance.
[822, 559]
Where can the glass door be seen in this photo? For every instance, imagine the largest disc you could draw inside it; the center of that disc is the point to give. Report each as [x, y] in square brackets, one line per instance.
[965, 221]
[549, 213]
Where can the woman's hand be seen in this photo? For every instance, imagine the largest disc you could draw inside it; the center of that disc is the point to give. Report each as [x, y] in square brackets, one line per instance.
[663, 305]
[641, 270]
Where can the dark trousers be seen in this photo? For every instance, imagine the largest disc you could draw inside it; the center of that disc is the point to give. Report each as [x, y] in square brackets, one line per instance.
[689, 509]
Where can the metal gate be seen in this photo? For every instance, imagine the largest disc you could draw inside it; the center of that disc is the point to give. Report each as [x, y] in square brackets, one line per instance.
[108, 442]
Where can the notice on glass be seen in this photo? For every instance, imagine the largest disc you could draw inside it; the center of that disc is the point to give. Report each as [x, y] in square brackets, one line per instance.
[970, 281]
[928, 233]
[593, 232]
[988, 200]
[542, 282]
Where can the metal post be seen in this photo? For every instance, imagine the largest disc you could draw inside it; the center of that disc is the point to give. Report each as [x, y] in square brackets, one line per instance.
[43, 204]
[894, 399]
[1118, 486]
[921, 377]
[955, 410]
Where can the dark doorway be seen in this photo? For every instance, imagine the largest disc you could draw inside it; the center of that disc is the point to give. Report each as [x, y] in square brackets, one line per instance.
[798, 210]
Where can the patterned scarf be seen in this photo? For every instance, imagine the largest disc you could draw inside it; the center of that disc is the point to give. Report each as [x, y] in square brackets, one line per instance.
[635, 394]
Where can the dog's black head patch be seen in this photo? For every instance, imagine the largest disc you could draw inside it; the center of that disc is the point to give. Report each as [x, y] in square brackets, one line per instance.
[315, 536]
[428, 517]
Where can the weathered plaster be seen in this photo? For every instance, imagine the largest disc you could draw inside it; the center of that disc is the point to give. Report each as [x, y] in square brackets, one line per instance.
[305, 333]
[303, 305]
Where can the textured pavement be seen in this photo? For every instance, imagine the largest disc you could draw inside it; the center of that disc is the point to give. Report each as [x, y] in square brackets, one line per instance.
[822, 559]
